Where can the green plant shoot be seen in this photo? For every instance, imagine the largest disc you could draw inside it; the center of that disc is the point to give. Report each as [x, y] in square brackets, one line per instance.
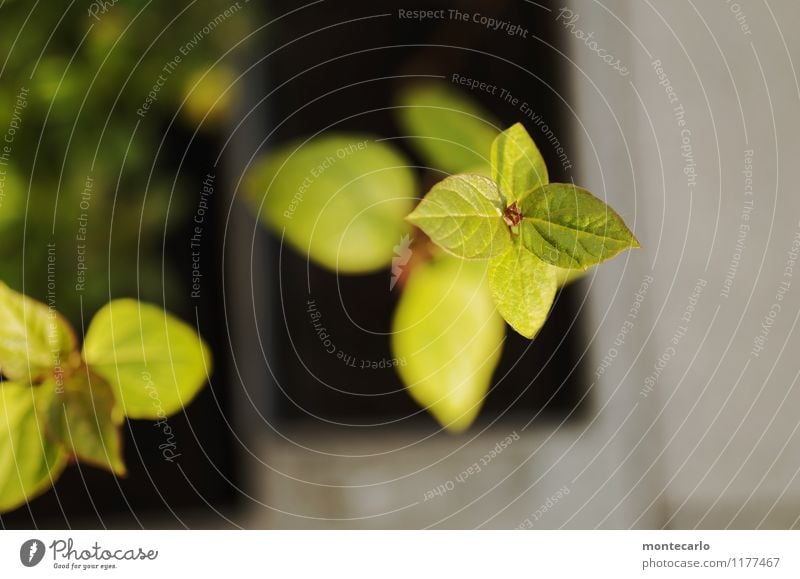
[508, 237]
[58, 404]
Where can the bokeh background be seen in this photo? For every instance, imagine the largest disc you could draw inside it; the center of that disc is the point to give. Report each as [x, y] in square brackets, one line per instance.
[682, 115]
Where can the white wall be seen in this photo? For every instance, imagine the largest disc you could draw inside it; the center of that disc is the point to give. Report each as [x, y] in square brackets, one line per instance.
[726, 452]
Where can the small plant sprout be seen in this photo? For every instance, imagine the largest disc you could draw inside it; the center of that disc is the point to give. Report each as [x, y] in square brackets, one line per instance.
[59, 404]
[526, 226]
[492, 242]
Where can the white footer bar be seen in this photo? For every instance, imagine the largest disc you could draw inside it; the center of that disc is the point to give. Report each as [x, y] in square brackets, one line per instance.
[382, 554]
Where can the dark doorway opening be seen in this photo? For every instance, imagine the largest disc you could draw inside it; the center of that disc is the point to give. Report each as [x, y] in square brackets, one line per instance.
[370, 52]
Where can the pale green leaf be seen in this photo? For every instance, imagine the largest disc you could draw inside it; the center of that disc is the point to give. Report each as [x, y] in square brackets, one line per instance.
[569, 227]
[35, 341]
[517, 164]
[340, 199]
[463, 214]
[29, 462]
[523, 288]
[84, 417]
[155, 363]
[449, 337]
[449, 131]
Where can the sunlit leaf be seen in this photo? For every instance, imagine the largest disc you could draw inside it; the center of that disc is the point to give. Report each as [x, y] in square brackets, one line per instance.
[29, 462]
[463, 214]
[569, 227]
[155, 363]
[35, 341]
[84, 417]
[517, 164]
[340, 199]
[448, 130]
[523, 288]
[449, 337]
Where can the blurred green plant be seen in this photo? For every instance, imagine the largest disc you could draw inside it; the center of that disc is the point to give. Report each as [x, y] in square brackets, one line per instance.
[450, 132]
[338, 198]
[503, 237]
[59, 404]
[88, 90]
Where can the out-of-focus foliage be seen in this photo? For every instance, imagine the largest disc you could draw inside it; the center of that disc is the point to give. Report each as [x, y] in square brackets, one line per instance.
[137, 361]
[340, 198]
[137, 347]
[29, 462]
[87, 90]
[447, 329]
[448, 130]
[32, 336]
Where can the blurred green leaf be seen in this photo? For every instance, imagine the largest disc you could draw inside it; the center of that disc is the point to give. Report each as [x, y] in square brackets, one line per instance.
[463, 214]
[517, 164]
[340, 198]
[106, 33]
[83, 416]
[59, 86]
[35, 341]
[449, 337]
[567, 226]
[449, 131]
[155, 363]
[29, 462]
[523, 288]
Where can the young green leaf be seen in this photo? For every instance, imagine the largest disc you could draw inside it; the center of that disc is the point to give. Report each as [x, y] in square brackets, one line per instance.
[35, 341]
[449, 336]
[29, 462]
[449, 131]
[517, 164]
[155, 363]
[523, 288]
[568, 227]
[463, 214]
[339, 199]
[84, 417]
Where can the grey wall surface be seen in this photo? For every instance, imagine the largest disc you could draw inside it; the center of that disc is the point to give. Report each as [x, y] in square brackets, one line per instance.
[697, 146]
